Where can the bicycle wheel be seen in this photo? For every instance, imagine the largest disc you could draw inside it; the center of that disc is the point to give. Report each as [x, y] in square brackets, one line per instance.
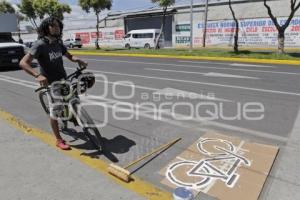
[62, 124]
[44, 101]
[89, 129]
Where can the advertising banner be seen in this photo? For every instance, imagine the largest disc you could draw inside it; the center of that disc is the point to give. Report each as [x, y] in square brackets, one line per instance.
[259, 32]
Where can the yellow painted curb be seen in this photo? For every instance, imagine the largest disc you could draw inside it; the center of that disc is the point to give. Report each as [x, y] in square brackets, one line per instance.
[139, 186]
[244, 60]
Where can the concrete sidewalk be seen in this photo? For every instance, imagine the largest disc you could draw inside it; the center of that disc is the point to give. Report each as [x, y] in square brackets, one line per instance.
[283, 182]
[32, 170]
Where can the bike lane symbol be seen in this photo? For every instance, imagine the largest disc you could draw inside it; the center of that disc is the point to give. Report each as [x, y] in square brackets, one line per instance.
[204, 172]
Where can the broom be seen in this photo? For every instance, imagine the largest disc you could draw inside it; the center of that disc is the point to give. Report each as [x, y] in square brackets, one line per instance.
[122, 172]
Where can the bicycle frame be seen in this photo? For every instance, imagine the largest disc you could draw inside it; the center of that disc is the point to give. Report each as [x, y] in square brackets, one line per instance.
[67, 100]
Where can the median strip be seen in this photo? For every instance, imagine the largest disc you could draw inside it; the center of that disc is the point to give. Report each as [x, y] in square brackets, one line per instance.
[229, 59]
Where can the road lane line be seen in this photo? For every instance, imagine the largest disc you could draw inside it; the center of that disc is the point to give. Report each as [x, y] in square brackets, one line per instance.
[209, 74]
[36, 85]
[157, 90]
[19, 80]
[18, 83]
[193, 66]
[197, 82]
[182, 124]
[202, 62]
[179, 123]
[230, 64]
[249, 65]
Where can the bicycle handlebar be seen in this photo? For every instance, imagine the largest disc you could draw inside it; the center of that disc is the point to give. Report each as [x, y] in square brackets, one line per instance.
[75, 74]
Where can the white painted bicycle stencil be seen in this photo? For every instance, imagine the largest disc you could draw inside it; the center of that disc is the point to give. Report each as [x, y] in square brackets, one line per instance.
[199, 174]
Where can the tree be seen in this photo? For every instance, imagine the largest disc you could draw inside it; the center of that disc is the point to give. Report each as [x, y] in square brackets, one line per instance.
[281, 28]
[6, 7]
[236, 35]
[97, 6]
[26, 8]
[51, 8]
[164, 4]
[34, 9]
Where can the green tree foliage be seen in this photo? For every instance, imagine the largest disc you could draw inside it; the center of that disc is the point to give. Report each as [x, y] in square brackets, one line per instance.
[97, 6]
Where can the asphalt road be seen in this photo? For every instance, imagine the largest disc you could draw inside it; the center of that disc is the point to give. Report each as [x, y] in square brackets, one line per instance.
[161, 99]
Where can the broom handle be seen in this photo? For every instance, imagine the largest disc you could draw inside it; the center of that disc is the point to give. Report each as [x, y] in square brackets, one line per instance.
[153, 152]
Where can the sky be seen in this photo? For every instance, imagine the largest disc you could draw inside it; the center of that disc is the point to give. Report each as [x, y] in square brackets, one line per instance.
[80, 19]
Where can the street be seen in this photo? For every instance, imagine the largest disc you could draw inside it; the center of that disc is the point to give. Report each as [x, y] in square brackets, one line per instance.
[142, 103]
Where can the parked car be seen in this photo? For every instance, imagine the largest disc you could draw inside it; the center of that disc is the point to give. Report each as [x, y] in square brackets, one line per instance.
[144, 38]
[11, 52]
[71, 43]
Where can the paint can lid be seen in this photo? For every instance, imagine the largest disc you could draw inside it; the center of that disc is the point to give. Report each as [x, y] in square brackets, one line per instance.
[182, 193]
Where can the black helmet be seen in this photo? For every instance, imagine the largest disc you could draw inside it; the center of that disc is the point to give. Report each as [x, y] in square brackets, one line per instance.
[87, 79]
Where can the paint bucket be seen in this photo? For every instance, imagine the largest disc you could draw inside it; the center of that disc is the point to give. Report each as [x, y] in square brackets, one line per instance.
[182, 193]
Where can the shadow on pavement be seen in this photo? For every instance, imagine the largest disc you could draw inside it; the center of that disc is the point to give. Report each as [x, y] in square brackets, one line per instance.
[117, 145]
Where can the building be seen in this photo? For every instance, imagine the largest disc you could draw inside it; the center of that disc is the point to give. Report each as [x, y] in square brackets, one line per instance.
[256, 28]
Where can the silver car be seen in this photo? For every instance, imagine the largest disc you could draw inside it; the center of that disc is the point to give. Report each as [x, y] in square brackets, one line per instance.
[71, 43]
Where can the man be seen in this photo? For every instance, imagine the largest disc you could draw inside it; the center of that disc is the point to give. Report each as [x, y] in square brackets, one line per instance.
[48, 50]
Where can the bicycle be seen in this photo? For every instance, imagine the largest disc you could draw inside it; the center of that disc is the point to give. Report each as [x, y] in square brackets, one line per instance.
[72, 112]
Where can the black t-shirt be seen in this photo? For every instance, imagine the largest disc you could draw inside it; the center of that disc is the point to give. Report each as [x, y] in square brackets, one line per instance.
[49, 56]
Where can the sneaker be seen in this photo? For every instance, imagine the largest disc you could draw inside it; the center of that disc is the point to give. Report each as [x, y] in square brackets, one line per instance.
[62, 145]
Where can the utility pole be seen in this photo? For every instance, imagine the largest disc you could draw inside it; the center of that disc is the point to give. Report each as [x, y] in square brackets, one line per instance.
[205, 23]
[191, 27]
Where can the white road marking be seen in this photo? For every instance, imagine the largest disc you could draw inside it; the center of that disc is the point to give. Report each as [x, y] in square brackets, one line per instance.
[294, 137]
[17, 83]
[226, 165]
[171, 92]
[186, 94]
[194, 66]
[231, 64]
[200, 121]
[135, 86]
[19, 80]
[221, 75]
[209, 74]
[174, 122]
[250, 65]
[197, 82]
[202, 62]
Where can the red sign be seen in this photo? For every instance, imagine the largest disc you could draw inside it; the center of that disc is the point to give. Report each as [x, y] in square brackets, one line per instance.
[119, 34]
[85, 37]
[94, 35]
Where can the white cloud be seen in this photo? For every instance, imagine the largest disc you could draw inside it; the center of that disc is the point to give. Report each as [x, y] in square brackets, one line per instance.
[79, 18]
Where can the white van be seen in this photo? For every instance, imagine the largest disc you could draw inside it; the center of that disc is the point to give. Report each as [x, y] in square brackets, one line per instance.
[144, 38]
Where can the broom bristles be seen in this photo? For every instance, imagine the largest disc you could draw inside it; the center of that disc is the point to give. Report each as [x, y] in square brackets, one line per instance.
[119, 172]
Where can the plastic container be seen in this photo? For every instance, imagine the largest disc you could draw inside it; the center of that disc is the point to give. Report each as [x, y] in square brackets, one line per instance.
[182, 193]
